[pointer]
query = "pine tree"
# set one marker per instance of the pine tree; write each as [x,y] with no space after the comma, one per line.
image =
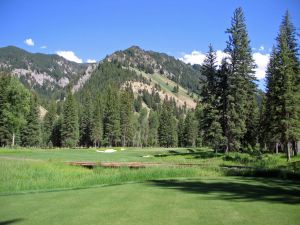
[153,128]
[181,132]
[48,124]
[240,80]
[70,127]
[57,132]
[198,116]
[126,116]
[283,89]
[166,129]
[97,125]
[86,121]
[250,138]
[111,117]
[31,133]
[144,127]
[190,130]
[210,120]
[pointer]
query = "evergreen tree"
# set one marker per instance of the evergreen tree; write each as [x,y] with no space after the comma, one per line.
[240,80]
[126,116]
[111,120]
[166,127]
[48,124]
[97,125]
[198,116]
[181,132]
[153,128]
[144,127]
[57,132]
[86,121]
[250,138]
[283,97]
[210,121]
[190,130]
[70,127]
[31,133]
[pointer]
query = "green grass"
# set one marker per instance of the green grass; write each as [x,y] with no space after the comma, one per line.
[24,175]
[226,201]
[37,187]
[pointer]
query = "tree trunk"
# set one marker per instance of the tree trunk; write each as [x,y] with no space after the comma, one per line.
[276,147]
[13,140]
[295,148]
[288,153]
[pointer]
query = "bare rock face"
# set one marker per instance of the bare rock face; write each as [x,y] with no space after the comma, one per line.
[41,72]
[85,77]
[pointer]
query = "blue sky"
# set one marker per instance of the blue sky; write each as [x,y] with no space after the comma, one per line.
[93,29]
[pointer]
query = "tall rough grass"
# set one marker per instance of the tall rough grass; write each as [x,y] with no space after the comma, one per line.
[17,176]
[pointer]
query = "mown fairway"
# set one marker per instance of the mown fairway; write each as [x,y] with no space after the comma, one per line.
[36,187]
[201,201]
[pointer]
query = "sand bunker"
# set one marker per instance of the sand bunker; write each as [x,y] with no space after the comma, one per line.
[107,151]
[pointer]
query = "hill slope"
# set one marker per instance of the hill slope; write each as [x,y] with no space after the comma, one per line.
[44,73]
[159,63]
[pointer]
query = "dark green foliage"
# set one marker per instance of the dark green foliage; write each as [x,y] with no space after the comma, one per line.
[181,132]
[143,127]
[111,117]
[126,116]
[97,125]
[239,75]
[198,117]
[190,130]
[48,124]
[250,138]
[282,108]
[167,127]
[210,120]
[138,104]
[14,107]
[86,121]
[31,132]
[56,138]
[70,127]
[153,128]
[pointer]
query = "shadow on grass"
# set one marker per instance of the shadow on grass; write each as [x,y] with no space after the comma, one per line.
[196,153]
[238,189]
[11,221]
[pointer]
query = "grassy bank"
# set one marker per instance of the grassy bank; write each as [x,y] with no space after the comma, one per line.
[25,175]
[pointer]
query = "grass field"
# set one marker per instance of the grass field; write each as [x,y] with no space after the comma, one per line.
[37,187]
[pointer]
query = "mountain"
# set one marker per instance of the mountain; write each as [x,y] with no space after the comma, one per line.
[46,74]
[49,75]
[160,63]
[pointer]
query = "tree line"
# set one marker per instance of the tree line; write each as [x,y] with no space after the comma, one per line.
[231,115]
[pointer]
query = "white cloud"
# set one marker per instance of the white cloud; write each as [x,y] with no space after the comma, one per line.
[261,48]
[197,57]
[91,60]
[29,42]
[69,55]
[260,59]
[194,58]
[43,47]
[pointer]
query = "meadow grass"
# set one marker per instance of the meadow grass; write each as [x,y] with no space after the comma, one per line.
[24,175]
